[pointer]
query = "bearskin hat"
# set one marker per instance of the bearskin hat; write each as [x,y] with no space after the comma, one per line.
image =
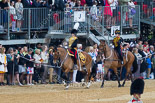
[137,86]
[117,31]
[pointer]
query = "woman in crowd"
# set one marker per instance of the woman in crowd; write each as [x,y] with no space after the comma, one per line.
[19,12]
[29,66]
[16,60]
[10,61]
[108,13]
[5,6]
[139,60]
[37,65]
[13,16]
[44,56]
[131,13]
[21,65]
[3,65]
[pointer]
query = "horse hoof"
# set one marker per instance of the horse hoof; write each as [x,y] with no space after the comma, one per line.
[122,85]
[119,85]
[66,88]
[87,87]
[101,86]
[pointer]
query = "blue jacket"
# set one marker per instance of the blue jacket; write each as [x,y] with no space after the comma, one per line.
[148,60]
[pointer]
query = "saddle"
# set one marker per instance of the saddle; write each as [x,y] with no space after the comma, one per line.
[80,55]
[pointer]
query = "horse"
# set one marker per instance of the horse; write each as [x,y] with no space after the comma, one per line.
[67,63]
[112,61]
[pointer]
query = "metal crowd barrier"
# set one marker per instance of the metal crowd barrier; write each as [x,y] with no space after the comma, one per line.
[44,18]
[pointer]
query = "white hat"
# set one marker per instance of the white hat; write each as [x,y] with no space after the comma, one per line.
[76,26]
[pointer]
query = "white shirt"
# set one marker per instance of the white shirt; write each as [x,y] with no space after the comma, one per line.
[44,57]
[12,10]
[114,4]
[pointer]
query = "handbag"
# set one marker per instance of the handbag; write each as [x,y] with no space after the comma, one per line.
[15,17]
[133,11]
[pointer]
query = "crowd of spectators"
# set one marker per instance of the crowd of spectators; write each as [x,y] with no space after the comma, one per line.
[27,66]
[111,11]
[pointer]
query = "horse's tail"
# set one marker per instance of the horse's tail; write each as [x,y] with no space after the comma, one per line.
[135,65]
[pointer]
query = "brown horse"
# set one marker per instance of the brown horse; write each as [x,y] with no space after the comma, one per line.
[67,63]
[111,61]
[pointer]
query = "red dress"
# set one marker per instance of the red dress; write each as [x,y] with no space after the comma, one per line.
[107,9]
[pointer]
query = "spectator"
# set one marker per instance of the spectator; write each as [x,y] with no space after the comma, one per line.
[21,65]
[148,59]
[83,2]
[89,2]
[13,15]
[139,60]
[95,49]
[72,3]
[19,12]
[37,65]
[60,4]
[93,11]
[16,70]
[92,54]
[29,66]
[44,56]
[0,46]
[37,3]
[140,50]
[10,61]
[51,68]
[5,6]
[3,65]
[153,64]
[51,3]
[114,10]
[100,2]
[25,51]
[151,49]
[26,3]
[108,13]
[131,13]
[46,4]
[100,13]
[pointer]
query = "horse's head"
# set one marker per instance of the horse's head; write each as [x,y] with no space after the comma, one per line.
[99,57]
[56,56]
[102,46]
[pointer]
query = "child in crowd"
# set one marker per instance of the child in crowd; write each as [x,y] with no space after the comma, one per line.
[29,66]
[13,15]
[3,65]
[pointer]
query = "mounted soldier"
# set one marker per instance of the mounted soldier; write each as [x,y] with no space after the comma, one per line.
[117,44]
[73,44]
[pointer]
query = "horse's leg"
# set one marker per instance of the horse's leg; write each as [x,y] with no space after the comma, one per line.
[118,78]
[105,73]
[88,78]
[68,75]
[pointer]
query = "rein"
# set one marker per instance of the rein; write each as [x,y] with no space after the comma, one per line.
[64,60]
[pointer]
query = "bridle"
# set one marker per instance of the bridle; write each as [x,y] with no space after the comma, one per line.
[59,59]
[104,49]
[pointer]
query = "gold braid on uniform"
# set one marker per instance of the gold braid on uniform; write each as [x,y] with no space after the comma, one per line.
[71,41]
[116,39]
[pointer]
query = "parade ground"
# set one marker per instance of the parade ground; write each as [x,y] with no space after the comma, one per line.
[76,93]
